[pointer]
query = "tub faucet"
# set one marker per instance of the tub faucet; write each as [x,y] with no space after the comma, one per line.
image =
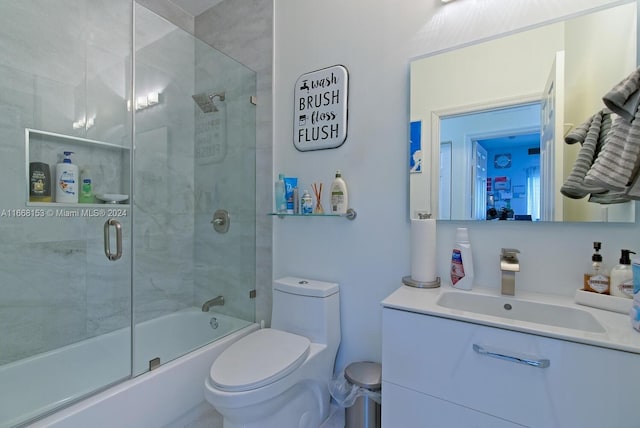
[216,301]
[509,265]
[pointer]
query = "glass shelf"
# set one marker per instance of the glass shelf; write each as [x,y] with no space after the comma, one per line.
[350,215]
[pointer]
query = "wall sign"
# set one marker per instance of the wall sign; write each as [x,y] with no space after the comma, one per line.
[320,111]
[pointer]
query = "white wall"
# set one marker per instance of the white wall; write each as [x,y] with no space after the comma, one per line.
[375,39]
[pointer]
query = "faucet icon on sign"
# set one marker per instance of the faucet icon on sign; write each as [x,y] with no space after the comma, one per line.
[304,86]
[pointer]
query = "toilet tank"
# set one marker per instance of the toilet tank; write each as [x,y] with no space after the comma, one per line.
[307,307]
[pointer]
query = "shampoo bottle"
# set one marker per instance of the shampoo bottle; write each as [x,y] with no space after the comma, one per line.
[621,278]
[39,182]
[339,195]
[596,280]
[462,261]
[281,200]
[67,180]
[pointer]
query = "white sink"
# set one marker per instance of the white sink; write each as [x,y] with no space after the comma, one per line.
[512,308]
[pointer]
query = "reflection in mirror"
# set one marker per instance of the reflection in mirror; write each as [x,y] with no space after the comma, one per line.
[491,120]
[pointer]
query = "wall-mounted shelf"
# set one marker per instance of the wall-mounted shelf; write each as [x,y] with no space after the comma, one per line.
[350,215]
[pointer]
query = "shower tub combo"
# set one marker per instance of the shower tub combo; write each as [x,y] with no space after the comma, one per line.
[101,322]
[152,399]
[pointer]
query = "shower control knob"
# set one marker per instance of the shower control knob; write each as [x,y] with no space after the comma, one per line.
[221,221]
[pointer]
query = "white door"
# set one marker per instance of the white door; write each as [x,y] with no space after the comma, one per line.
[444,206]
[551,134]
[479,202]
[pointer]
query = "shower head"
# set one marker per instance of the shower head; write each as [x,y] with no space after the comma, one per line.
[205,101]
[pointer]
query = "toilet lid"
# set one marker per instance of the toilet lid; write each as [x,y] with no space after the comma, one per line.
[259,359]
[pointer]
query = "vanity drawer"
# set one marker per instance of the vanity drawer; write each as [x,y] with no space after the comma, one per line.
[583,385]
[406,408]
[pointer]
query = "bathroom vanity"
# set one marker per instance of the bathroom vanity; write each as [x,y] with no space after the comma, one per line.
[445,363]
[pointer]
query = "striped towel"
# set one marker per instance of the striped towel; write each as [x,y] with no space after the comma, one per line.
[592,135]
[617,163]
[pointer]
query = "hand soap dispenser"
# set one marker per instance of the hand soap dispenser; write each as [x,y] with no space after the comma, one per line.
[596,280]
[622,277]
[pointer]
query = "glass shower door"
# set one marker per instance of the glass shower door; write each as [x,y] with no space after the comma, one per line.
[65,307]
[194,156]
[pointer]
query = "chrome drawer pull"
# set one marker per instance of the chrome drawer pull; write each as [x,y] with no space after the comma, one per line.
[541,363]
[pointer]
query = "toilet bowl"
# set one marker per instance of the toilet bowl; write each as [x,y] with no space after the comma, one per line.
[278,377]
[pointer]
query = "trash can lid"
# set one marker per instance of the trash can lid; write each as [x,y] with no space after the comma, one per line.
[365,374]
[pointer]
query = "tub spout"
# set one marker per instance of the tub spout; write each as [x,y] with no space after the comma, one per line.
[216,301]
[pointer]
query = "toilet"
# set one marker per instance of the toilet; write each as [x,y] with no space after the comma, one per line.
[278,377]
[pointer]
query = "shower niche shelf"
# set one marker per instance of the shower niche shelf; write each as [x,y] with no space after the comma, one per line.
[108,164]
[350,215]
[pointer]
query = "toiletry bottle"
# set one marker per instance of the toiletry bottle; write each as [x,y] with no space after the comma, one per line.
[621,277]
[462,261]
[596,280]
[290,189]
[67,180]
[86,187]
[279,190]
[339,195]
[307,203]
[39,182]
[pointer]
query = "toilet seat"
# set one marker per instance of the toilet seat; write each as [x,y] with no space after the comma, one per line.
[259,359]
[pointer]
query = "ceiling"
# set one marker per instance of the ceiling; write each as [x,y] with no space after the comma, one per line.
[195,7]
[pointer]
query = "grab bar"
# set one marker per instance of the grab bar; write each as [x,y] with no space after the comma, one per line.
[540,363]
[107,241]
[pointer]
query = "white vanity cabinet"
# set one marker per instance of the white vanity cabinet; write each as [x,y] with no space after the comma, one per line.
[433,377]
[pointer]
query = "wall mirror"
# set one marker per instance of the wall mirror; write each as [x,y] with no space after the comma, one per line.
[488,120]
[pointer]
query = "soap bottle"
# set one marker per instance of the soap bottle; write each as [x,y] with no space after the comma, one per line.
[86,187]
[67,180]
[339,195]
[596,280]
[462,261]
[281,200]
[621,277]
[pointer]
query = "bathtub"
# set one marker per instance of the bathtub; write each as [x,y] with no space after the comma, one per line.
[45,382]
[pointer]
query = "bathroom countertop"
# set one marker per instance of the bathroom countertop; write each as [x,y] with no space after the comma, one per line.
[619,334]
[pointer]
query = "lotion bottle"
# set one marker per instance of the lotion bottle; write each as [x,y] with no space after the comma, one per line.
[621,278]
[67,180]
[339,195]
[462,261]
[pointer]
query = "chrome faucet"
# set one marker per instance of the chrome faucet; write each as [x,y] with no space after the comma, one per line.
[216,301]
[509,265]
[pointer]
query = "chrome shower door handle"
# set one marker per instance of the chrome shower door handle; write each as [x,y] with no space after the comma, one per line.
[107,239]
